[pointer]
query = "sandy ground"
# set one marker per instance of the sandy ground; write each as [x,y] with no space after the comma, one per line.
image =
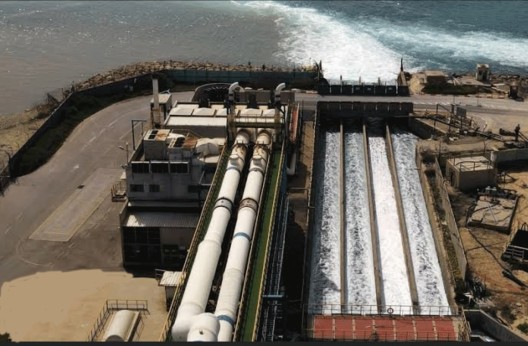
[46,306]
[484,249]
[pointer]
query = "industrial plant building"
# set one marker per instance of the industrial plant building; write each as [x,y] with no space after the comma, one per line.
[207,207]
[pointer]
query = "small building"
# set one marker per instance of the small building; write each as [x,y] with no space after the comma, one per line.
[170,281]
[483,73]
[467,173]
[434,77]
[165,105]
[167,180]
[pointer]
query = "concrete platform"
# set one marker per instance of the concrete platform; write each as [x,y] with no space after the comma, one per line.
[62,224]
[493,213]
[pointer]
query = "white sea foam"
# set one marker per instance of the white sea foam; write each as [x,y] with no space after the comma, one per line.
[422,39]
[371,47]
[308,35]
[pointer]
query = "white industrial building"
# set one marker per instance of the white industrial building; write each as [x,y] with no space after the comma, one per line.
[167,181]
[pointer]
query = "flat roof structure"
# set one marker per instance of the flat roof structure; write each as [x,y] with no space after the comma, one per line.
[470,172]
[493,213]
[170,279]
[471,163]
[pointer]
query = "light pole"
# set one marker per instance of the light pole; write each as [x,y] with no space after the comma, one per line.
[134,123]
[125,148]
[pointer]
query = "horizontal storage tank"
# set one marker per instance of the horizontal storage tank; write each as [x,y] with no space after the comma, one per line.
[122,326]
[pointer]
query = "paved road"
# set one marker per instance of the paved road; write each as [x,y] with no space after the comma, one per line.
[27,204]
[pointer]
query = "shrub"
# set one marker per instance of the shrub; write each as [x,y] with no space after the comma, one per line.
[523,327]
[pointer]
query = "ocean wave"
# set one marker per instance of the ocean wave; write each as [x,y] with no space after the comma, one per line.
[354,45]
[308,35]
[422,40]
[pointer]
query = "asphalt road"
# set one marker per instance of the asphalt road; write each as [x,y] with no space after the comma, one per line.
[93,145]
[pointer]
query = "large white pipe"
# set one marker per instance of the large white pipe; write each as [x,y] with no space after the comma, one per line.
[231,92]
[204,328]
[278,90]
[198,287]
[233,278]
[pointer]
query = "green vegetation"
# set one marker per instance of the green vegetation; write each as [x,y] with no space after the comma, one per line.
[451,89]
[254,296]
[523,327]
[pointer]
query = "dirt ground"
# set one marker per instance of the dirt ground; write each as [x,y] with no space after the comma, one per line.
[484,249]
[60,317]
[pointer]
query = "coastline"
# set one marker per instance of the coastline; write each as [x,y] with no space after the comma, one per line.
[17,128]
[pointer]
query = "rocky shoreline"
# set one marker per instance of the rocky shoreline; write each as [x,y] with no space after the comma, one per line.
[142,68]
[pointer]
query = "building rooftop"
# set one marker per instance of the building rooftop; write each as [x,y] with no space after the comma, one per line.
[471,163]
[196,121]
[170,279]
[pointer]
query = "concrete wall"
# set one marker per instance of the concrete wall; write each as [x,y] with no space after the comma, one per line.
[264,79]
[422,129]
[363,90]
[437,232]
[144,82]
[478,319]
[509,155]
[470,180]
[450,220]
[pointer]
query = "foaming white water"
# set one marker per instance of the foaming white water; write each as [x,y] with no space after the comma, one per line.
[345,49]
[396,291]
[423,40]
[360,279]
[429,283]
[325,283]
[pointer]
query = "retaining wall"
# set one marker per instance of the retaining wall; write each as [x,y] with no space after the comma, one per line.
[450,220]
[437,232]
[144,82]
[509,155]
[423,130]
[478,319]
[263,79]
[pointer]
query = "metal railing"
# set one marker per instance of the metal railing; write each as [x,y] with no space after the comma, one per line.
[383,335]
[201,228]
[253,282]
[109,307]
[396,310]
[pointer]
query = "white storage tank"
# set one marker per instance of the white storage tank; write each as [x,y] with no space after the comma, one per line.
[122,326]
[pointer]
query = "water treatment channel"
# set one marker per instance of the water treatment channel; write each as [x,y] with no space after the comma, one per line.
[373,248]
